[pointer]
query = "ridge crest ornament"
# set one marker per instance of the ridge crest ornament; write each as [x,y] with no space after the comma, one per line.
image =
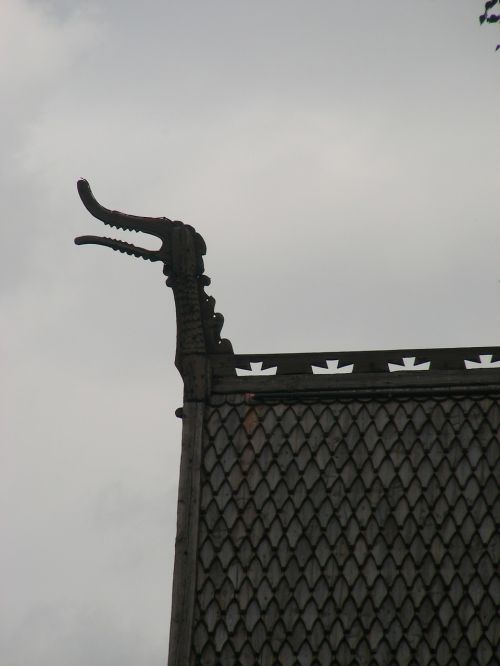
[182,250]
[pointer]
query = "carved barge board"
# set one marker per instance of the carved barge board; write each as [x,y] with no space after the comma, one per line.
[347,517]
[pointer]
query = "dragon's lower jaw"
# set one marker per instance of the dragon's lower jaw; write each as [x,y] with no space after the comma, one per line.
[121,246]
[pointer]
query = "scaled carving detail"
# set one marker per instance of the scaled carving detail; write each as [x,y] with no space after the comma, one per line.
[198,325]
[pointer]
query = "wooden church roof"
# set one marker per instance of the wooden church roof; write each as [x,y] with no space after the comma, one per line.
[336,508]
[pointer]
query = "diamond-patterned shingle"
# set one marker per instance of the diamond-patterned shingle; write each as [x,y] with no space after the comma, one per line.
[349,531]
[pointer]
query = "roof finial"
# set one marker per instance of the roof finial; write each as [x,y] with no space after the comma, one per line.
[181,251]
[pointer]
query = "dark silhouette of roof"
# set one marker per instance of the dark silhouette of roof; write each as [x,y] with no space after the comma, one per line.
[334,508]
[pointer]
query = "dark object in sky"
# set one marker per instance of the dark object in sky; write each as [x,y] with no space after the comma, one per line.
[334,508]
[486,17]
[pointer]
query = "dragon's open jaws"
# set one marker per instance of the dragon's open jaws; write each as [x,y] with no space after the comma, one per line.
[158,227]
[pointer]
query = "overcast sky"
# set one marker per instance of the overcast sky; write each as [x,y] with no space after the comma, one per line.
[341,161]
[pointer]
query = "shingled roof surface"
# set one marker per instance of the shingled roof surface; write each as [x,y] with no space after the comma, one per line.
[348,531]
[343,517]
[334,509]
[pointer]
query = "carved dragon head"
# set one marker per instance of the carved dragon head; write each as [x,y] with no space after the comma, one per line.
[177,260]
[181,251]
